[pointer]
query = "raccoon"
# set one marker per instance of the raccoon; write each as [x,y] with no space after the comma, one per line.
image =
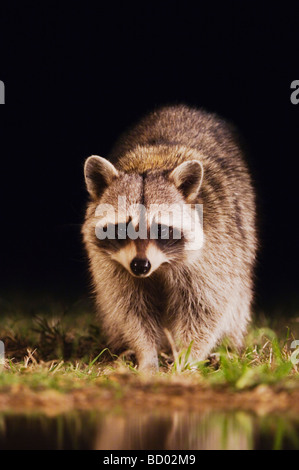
[199,288]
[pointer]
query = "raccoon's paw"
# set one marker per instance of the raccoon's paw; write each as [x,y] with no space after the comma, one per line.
[148,365]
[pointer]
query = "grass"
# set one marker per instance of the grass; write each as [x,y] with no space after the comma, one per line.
[60,377]
[62,349]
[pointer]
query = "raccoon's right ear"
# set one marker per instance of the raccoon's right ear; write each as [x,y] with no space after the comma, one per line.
[98,173]
[187,177]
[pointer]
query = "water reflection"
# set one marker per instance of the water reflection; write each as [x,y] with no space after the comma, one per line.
[149,431]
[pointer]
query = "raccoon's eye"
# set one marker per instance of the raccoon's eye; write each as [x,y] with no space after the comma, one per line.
[164,232]
[168,235]
[115,232]
[121,232]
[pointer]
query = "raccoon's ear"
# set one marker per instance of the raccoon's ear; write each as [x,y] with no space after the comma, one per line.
[187,177]
[98,173]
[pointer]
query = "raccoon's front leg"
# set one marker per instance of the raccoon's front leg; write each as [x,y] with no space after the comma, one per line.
[191,320]
[139,333]
[129,328]
[203,340]
[147,359]
[131,321]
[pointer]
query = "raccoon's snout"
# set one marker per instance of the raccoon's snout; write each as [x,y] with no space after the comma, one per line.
[140,266]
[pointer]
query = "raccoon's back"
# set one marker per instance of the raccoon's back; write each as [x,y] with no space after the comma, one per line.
[178,126]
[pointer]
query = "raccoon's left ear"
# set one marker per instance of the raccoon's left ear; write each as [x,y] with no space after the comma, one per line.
[98,173]
[187,177]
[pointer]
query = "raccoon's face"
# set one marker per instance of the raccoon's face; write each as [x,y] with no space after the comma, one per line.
[143,221]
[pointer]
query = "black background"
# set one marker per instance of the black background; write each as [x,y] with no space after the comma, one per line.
[77,75]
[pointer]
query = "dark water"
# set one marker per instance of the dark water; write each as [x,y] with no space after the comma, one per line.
[149,431]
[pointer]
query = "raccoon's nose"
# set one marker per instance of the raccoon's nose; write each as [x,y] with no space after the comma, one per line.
[140,266]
